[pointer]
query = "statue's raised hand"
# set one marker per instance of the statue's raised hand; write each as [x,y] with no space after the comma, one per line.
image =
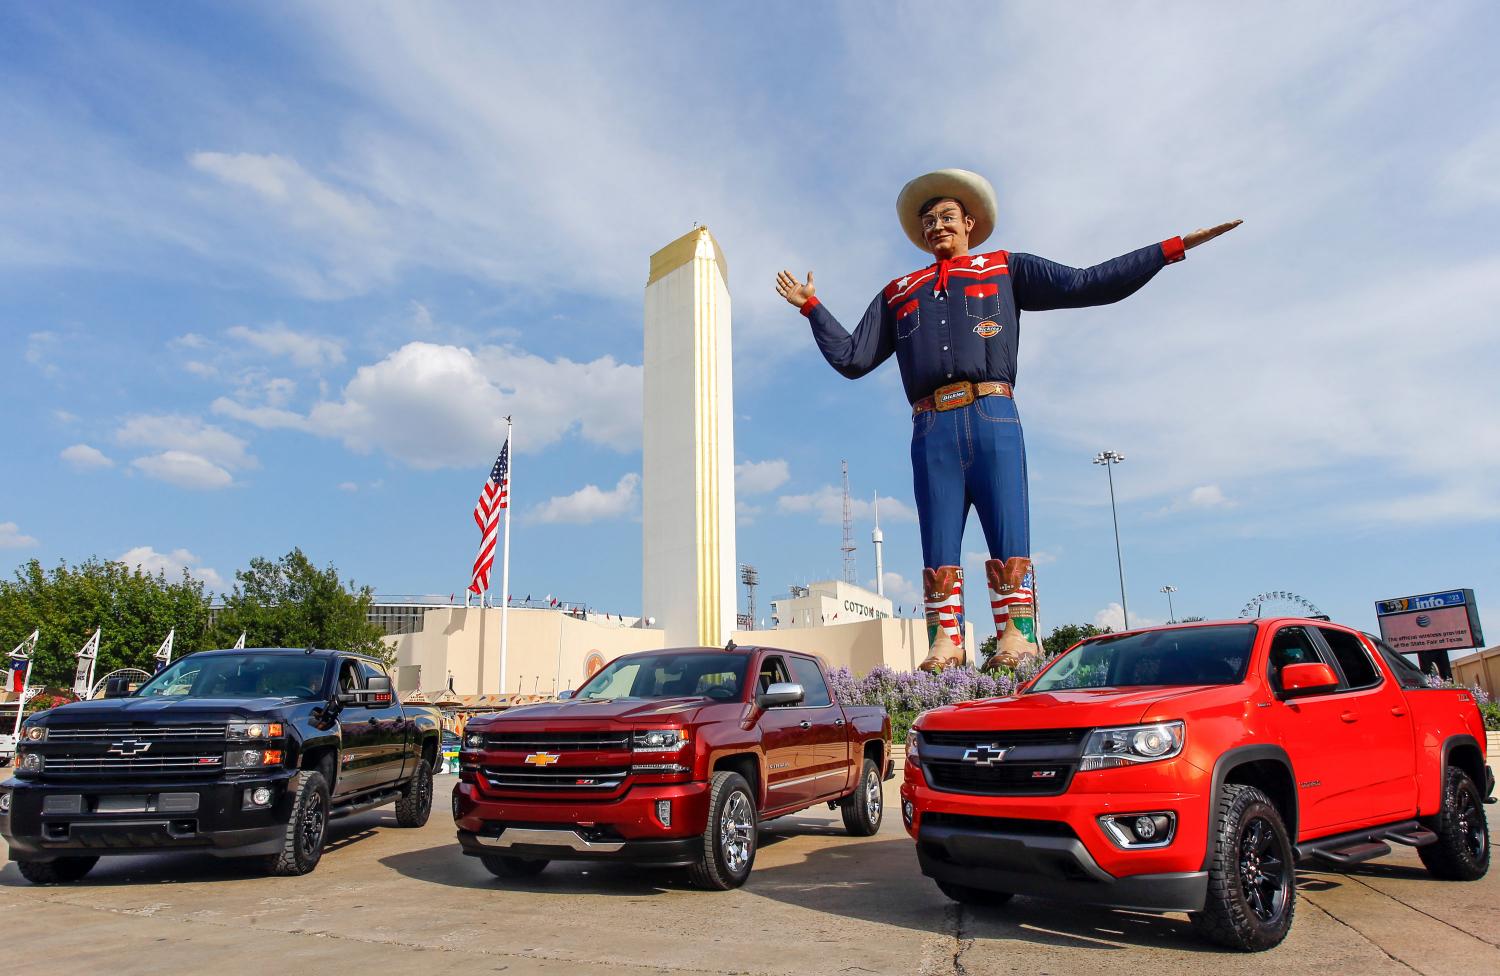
[794,291]
[1205,234]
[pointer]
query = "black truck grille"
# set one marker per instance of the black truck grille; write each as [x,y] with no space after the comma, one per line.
[125,750]
[1006,762]
[588,779]
[559,741]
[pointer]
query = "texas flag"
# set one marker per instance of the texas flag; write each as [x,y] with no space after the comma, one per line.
[18,667]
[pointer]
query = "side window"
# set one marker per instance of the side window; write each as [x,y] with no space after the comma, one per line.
[349,676]
[772,671]
[807,674]
[1359,670]
[1291,645]
[1408,675]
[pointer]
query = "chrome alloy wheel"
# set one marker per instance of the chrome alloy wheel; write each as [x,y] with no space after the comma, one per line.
[736,832]
[873,797]
[1263,871]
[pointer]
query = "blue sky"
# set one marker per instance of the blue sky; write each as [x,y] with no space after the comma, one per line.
[271,275]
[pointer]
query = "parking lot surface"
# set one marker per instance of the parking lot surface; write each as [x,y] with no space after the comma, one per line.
[817,903]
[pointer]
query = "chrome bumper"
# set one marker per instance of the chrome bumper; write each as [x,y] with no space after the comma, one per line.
[534,837]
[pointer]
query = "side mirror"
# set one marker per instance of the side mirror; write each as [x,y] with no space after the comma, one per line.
[781,693]
[376,692]
[1307,679]
[566,694]
[117,687]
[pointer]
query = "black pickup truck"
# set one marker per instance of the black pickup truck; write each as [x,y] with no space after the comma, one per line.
[238,753]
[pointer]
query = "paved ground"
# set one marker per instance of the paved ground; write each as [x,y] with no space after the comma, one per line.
[818,902]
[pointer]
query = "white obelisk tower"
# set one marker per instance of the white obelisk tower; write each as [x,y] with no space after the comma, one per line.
[687,477]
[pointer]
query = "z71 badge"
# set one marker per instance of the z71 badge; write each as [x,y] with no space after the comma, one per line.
[987,329]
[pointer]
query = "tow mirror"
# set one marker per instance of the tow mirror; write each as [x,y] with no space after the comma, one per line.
[780,693]
[1307,679]
[377,691]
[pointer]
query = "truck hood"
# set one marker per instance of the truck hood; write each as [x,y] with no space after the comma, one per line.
[1077,708]
[165,710]
[673,711]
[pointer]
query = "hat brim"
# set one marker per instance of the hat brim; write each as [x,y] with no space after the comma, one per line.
[968,188]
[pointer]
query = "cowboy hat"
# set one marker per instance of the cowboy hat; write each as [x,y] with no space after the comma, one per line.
[969,189]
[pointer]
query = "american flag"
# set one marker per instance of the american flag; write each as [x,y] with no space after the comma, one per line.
[492,498]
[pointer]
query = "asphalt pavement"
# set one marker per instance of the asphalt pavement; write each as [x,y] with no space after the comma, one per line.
[387,900]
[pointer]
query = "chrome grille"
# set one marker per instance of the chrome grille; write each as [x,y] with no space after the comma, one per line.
[559,741]
[157,733]
[197,763]
[585,778]
[128,750]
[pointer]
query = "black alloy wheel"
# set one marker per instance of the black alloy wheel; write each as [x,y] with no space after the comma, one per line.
[1264,871]
[1462,850]
[1252,893]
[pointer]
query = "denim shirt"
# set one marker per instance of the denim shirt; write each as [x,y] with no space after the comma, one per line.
[960,319]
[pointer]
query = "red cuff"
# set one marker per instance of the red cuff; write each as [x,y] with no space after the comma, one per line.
[1173,250]
[812,303]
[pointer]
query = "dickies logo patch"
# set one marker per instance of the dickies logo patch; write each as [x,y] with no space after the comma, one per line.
[987,329]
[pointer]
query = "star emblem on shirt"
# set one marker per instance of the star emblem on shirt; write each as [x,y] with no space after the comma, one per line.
[979,262]
[903,282]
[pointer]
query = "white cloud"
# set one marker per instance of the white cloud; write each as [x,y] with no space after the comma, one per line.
[827,503]
[1113,617]
[1208,496]
[85,458]
[184,469]
[39,346]
[186,435]
[744,512]
[299,196]
[901,591]
[348,486]
[307,351]
[202,370]
[188,340]
[759,477]
[266,418]
[172,564]
[590,503]
[11,537]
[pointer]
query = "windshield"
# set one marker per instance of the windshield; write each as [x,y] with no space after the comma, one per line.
[226,675]
[1179,656]
[719,675]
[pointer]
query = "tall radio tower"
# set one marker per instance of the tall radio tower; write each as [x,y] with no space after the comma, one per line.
[848,546]
[878,538]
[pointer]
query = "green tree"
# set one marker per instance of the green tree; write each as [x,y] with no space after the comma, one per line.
[1067,635]
[134,610]
[292,603]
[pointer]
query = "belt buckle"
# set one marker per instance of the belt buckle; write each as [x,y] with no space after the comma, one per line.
[953,396]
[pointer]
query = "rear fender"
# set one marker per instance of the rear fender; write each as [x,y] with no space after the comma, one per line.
[1462,751]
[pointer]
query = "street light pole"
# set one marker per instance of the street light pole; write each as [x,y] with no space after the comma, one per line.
[1109,459]
[1169,589]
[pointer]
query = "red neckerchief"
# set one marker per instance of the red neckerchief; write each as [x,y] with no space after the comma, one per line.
[943,265]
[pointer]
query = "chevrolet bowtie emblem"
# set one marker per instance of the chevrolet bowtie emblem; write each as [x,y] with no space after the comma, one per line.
[130,747]
[541,759]
[985,755]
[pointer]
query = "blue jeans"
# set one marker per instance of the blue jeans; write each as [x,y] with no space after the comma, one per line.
[974,455]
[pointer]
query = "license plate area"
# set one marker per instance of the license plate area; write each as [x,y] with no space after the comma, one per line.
[122,803]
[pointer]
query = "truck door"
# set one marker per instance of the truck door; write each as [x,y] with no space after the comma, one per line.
[781,738]
[1385,759]
[1318,736]
[392,734]
[358,751]
[825,744]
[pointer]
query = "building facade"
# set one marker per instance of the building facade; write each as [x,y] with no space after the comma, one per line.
[828,603]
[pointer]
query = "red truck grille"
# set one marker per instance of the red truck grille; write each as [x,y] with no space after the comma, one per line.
[1008,762]
[559,741]
[585,779]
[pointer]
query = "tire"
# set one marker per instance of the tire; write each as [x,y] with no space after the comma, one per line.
[729,840]
[503,866]
[306,829]
[1252,889]
[415,805]
[1462,851]
[976,897]
[64,870]
[864,807]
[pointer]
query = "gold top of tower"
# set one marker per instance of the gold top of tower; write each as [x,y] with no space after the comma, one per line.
[697,242]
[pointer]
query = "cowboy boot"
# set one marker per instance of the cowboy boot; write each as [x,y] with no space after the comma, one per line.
[942,590]
[1012,594]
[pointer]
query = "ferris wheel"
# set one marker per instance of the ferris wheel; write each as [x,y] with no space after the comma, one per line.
[1280,603]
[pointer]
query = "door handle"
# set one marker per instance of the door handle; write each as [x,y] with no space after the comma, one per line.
[1397,711]
[805,724]
[838,721]
[1349,717]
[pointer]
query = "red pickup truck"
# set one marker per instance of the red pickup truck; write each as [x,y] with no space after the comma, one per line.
[669,757]
[1189,768]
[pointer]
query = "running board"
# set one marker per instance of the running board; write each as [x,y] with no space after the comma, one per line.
[366,803]
[1354,853]
[1359,846]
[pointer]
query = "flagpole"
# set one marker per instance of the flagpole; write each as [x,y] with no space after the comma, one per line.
[505,557]
[25,682]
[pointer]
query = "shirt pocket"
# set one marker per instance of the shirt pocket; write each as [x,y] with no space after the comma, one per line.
[908,317]
[982,306]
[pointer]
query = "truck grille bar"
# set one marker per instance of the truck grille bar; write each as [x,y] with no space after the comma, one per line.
[1004,762]
[581,778]
[158,733]
[136,764]
[559,741]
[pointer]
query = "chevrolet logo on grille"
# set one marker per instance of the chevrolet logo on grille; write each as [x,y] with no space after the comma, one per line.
[985,755]
[130,747]
[541,759]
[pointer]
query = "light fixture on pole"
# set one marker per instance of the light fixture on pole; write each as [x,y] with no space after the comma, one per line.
[1169,589]
[1109,459]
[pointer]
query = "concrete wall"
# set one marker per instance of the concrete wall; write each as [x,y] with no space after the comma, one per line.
[1482,668]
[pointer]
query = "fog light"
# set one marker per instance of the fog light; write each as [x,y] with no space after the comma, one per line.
[664,812]
[1140,829]
[32,762]
[1144,828]
[908,812]
[261,795]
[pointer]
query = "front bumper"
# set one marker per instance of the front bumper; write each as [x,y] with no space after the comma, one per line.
[52,819]
[626,829]
[1055,847]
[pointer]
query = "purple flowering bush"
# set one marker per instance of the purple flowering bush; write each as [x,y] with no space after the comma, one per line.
[904,694]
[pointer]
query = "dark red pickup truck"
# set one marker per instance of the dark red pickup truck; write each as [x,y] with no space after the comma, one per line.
[669,758]
[1189,768]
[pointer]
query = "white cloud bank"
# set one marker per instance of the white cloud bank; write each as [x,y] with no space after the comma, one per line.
[11,537]
[172,564]
[827,503]
[304,350]
[591,503]
[193,454]
[760,477]
[85,458]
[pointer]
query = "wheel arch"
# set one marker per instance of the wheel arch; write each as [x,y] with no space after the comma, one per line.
[747,764]
[1266,767]
[1463,751]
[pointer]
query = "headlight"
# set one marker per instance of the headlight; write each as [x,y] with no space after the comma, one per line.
[660,740]
[31,762]
[474,740]
[34,733]
[246,731]
[913,758]
[1109,748]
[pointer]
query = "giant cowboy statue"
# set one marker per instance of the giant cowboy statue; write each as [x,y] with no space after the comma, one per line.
[953,327]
